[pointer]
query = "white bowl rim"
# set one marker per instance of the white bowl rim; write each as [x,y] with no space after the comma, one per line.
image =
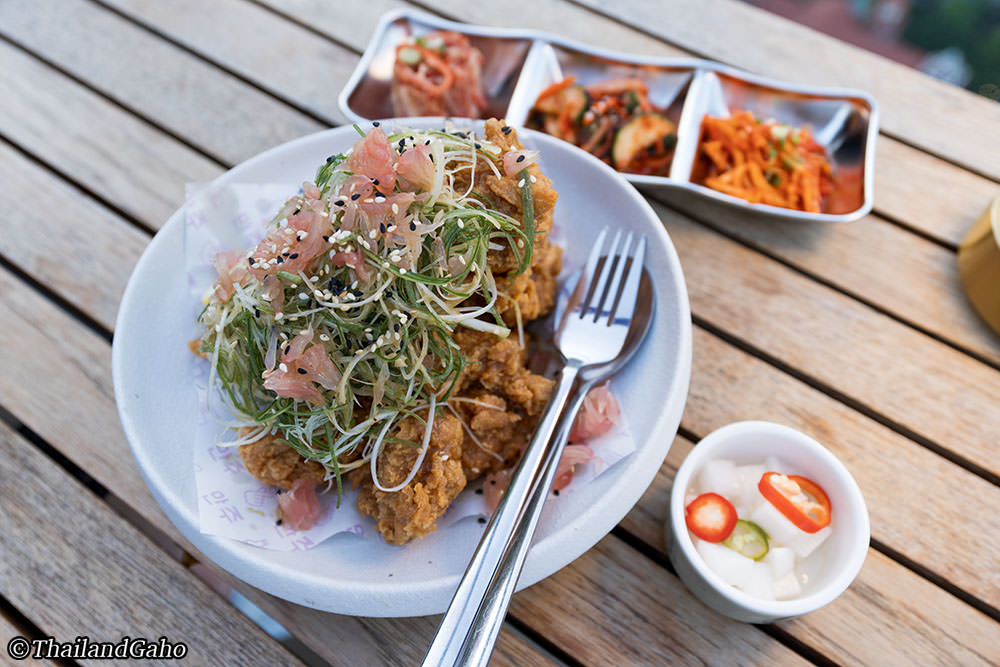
[774,608]
[546,557]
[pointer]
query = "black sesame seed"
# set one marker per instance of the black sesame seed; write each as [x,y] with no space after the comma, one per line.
[402,142]
[375,124]
[339,202]
[556,491]
[278,522]
[331,159]
[375,181]
[326,238]
[293,255]
[493,481]
[505,129]
[356,196]
[479,492]
[284,254]
[297,211]
[395,327]
[288,348]
[431,157]
[250,259]
[301,371]
[281,260]
[413,226]
[481,520]
[256,312]
[478,146]
[279,492]
[358,293]
[427,143]
[520,158]
[381,227]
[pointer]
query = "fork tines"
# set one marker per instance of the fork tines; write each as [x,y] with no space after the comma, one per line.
[607,297]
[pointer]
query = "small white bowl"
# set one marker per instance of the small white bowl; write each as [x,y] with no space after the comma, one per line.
[841,555]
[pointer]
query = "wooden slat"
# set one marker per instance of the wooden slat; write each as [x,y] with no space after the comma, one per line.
[7,632]
[88,261]
[912,278]
[916,623]
[256,46]
[613,607]
[134,166]
[938,117]
[75,568]
[44,392]
[345,25]
[937,392]
[927,193]
[213,110]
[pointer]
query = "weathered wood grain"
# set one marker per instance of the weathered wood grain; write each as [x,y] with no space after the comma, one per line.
[347,26]
[595,611]
[75,568]
[937,392]
[220,114]
[908,276]
[256,46]
[67,241]
[938,117]
[916,623]
[131,164]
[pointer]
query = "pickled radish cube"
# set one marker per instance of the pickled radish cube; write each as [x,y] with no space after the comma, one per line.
[805,543]
[781,560]
[749,477]
[732,568]
[778,528]
[719,476]
[761,583]
[774,464]
[787,587]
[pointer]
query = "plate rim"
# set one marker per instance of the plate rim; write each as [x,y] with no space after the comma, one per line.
[555,551]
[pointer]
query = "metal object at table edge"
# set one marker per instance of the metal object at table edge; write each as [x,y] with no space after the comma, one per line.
[979,264]
[470,627]
[522,100]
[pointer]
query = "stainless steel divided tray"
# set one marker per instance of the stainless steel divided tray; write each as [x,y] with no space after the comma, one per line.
[519,64]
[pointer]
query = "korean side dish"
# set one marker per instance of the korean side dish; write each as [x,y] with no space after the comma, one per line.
[376,334]
[613,120]
[764,162]
[439,74]
[755,527]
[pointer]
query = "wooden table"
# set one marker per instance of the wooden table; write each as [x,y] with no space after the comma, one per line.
[858,334]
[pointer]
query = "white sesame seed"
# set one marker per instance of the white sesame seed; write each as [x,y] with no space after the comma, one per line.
[395,209]
[385,265]
[317,294]
[372,234]
[461,225]
[402,271]
[534,180]
[283,367]
[354,285]
[461,259]
[520,183]
[520,243]
[303,296]
[367,200]
[324,337]
[279,316]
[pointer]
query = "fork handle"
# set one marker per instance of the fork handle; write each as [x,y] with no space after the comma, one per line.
[470,626]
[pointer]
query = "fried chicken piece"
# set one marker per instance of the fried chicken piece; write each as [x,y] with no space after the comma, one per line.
[413,511]
[277,464]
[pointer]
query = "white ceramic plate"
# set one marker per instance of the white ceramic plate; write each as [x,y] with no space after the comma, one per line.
[347,574]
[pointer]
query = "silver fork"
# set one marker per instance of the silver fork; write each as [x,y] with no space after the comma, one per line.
[590,336]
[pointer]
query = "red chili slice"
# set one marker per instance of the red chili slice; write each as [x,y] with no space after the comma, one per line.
[710,517]
[801,500]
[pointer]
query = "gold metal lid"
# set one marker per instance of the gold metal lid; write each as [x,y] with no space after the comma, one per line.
[979,264]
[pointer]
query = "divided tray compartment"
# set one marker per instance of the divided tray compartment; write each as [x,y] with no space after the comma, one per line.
[520,64]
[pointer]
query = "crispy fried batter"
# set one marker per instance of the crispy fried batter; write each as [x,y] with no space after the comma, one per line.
[414,510]
[275,463]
